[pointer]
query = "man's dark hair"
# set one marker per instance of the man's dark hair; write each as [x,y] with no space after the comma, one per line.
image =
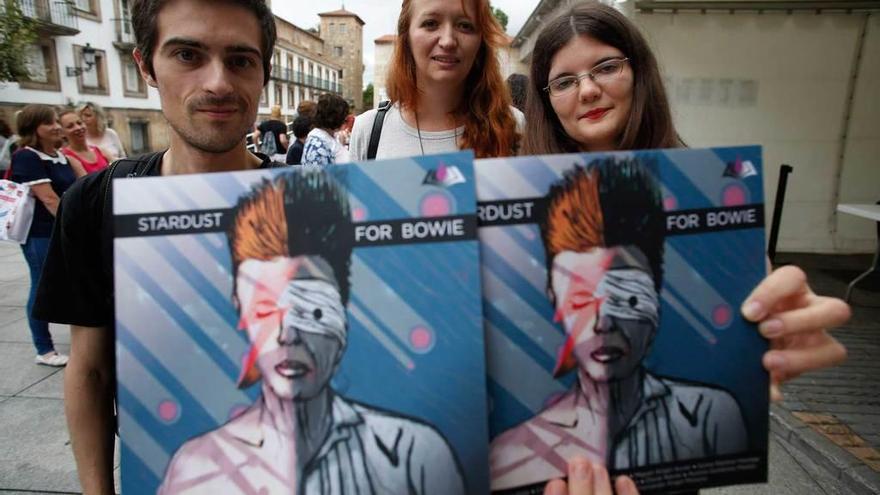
[331,113]
[299,213]
[301,126]
[517,84]
[610,202]
[5,130]
[145,15]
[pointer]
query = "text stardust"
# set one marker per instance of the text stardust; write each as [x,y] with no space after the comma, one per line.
[183,221]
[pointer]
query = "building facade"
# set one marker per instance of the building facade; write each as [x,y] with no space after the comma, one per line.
[59,76]
[302,69]
[382,52]
[343,35]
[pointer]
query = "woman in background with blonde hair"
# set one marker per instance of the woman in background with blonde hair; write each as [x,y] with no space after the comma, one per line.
[97,132]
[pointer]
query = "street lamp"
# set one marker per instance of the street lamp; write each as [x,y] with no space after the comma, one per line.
[88,57]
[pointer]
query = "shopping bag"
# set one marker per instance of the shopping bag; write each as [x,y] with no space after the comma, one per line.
[16,211]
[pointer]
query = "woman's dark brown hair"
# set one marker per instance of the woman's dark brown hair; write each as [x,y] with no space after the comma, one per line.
[28,120]
[331,112]
[650,122]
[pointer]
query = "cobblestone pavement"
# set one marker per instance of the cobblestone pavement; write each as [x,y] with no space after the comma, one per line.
[35,454]
[842,404]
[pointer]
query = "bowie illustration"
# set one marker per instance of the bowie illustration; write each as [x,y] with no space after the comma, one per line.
[291,245]
[603,237]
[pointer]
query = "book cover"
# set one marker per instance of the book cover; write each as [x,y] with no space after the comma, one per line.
[301,330]
[612,287]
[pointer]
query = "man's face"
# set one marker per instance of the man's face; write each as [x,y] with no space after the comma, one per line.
[295,320]
[208,70]
[605,299]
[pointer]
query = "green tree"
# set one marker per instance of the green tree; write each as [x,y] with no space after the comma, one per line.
[500,15]
[17,31]
[368,96]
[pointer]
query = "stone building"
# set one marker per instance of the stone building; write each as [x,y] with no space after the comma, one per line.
[304,67]
[342,32]
[59,76]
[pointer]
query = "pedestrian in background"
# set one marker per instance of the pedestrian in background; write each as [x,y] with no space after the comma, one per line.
[38,159]
[271,136]
[8,145]
[302,125]
[516,84]
[89,158]
[321,146]
[445,84]
[97,132]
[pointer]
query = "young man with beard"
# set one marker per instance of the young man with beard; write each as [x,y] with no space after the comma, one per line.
[209,60]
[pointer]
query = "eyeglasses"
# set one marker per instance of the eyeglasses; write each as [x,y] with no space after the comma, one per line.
[601,74]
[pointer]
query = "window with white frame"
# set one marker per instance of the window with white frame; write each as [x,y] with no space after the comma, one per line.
[94,80]
[133,83]
[42,66]
[140,136]
[90,9]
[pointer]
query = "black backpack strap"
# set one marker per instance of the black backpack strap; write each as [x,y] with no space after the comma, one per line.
[377,129]
[122,168]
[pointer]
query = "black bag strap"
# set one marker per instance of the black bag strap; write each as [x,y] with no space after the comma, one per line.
[377,129]
[122,168]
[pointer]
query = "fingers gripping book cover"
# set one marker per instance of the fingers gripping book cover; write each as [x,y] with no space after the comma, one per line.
[612,287]
[301,331]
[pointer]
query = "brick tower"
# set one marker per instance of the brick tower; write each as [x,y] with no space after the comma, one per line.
[342,32]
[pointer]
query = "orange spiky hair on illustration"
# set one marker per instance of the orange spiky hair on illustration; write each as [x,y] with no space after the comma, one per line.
[301,213]
[610,202]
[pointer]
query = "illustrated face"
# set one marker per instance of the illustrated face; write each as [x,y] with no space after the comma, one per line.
[295,321]
[606,301]
[49,133]
[444,40]
[209,73]
[73,127]
[594,115]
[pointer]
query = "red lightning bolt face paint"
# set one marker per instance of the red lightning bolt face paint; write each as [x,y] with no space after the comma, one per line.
[292,311]
[576,277]
[607,303]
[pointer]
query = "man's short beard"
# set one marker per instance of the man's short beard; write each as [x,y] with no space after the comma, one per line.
[204,142]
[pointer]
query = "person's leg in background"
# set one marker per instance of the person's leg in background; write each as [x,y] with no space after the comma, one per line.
[35,250]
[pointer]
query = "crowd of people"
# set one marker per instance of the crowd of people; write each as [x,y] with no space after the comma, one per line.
[594,85]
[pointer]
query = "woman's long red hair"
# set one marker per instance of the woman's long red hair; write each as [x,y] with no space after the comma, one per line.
[489,126]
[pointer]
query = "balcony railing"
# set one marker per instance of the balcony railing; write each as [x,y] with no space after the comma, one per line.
[55,17]
[124,33]
[297,77]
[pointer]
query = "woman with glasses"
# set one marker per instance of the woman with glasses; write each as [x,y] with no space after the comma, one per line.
[595,86]
[445,84]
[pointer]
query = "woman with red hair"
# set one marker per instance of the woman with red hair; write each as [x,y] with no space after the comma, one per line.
[445,85]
